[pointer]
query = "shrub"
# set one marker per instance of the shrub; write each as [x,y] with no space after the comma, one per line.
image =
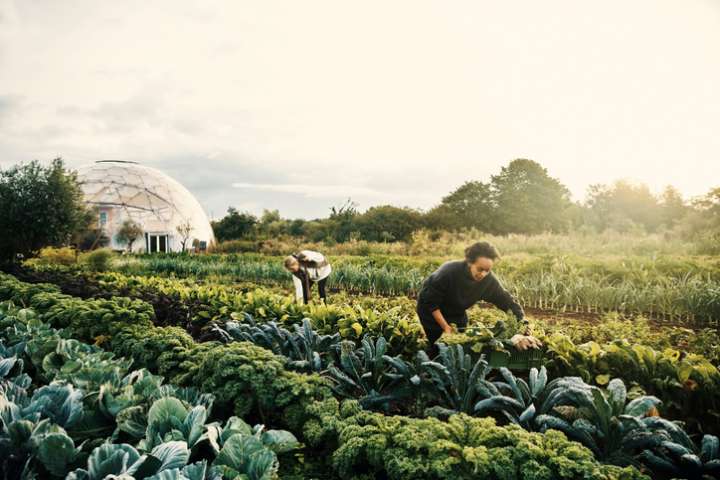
[54,256]
[98,260]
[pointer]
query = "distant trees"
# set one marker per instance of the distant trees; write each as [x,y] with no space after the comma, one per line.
[39,207]
[528,200]
[386,223]
[341,224]
[521,198]
[469,206]
[234,225]
[625,206]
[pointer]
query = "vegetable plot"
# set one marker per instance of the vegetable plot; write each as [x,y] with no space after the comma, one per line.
[83,416]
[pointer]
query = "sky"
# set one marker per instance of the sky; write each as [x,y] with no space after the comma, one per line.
[298,106]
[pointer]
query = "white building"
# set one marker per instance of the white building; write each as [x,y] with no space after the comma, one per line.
[123,190]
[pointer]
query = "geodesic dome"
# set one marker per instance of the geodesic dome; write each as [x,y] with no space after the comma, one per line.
[122,190]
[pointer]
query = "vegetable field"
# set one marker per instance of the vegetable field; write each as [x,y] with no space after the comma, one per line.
[680,290]
[250,384]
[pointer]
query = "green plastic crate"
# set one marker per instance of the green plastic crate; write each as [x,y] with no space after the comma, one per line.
[515,359]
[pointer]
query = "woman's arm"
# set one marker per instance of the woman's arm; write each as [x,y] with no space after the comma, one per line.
[299,292]
[440,320]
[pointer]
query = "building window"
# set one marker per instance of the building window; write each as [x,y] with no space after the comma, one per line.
[103,219]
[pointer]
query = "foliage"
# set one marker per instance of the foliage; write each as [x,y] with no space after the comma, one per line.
[527,199]
[234,225]
[128,233]
[254,380]
[54,256]
[99,260]
[386,223]
[39,207]
[623,205]
[469,206]
[85,415]
[371,445]
[679,289]
[304,348]
[688,384]
[363,374]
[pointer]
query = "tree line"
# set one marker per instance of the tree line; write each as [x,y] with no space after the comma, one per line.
[43,206]
[522,198]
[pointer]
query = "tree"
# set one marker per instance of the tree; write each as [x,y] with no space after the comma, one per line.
[469,206]
[342,221]
[39,206]
[234,225]
[673,207]
[184,230]
[297,227]
[528,200]
[624,205]
[128,233]
[387,223]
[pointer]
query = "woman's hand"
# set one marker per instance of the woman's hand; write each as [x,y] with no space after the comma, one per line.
[523,342]
[447,330]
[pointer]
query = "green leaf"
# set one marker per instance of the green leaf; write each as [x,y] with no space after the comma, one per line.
[164,409]
[56,452]
[109,459]
[710,449]
[233,426]
[280,441]
[684,371]
[7,364]
[172,455]
[247,455]
[132,421]
[61,403]
[617,394]
[640,406]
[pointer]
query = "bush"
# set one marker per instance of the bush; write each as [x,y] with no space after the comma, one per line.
[98,260]
[54,256]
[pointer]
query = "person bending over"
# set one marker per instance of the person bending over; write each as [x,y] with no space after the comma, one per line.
[307,268]
[458,285]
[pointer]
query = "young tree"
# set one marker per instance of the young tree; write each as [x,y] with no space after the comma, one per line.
[39,206]
[184,230]
[128,233]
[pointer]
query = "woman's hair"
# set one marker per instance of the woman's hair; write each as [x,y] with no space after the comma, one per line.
[481,249]
[290,260]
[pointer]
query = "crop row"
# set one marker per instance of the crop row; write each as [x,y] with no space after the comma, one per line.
[688,384]
[252,382]
[678,290]
[533,405]
[73,410]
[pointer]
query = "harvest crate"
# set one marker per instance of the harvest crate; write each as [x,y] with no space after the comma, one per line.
[516,359]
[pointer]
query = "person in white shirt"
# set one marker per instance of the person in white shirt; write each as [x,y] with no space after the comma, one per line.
[308,267]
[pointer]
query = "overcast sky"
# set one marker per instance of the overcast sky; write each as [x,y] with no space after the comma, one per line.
[297,105]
